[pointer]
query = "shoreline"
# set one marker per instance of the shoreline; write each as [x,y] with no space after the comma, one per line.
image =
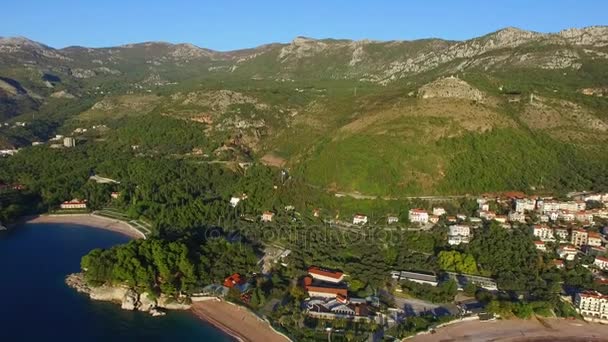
[517,330]
[236,321]
[88,220]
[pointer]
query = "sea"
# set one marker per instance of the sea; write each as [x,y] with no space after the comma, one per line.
[36,305]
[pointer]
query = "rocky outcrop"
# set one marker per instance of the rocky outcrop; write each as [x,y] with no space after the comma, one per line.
[128,298]
[450,87]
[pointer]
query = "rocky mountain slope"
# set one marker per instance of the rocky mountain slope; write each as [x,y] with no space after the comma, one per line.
[341,114]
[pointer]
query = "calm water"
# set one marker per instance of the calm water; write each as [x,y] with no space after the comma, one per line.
[36,305]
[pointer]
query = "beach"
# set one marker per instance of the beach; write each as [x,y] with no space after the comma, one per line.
[236,321]
[90,220]
[516,330]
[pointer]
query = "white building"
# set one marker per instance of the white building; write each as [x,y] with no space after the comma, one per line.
[567,252]
[69,142]
[360,219]
[594,239]
[591,304]
[234,201]
[517,216]
[561,233]
[524,204]
[74,204]
[392,219]
[543,232]
[601,262]
[418,216]
[439,211]
[267,216]
[540,246]
[458,234]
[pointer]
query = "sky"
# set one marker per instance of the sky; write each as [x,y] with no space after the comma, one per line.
[229,24]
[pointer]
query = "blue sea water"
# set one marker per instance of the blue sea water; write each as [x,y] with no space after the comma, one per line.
[36,305]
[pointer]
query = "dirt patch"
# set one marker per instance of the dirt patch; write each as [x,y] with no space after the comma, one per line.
[270,159]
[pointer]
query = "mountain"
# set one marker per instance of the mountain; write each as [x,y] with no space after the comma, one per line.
[511,109]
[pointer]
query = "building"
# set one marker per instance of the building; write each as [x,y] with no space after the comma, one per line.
[517,216]
[567,252]
[439,211]
[420,278]
[360,219]
[601,262]
[69,142]
[461,217]
[418,216]
[524,204]
[566,215]
[579,237]
[458,234]
[434,219]
[500,218]
[561,233]
[325,275]
[115,195]
[234,201]
[74,204]
[584,216]
[543,232]
[392,219]
[316,212]
[591,304]
[487,215]
[594,239]
[463,279]
[267,216]
[558,263]
[540,246]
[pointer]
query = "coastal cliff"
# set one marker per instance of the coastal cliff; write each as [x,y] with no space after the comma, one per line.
[128,298]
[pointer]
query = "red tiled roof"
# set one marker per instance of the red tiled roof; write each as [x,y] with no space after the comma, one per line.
[601,258]
[234,280]
[324,272]
[329,290]
[418,210]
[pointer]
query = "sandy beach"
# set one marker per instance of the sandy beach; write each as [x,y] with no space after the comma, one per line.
[515,330]
[91,220]
[236,321]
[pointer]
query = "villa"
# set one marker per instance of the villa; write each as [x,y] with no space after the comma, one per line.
[418,216]
[360,219]
[74,204]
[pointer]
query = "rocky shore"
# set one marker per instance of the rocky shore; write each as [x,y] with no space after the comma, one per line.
[127,297]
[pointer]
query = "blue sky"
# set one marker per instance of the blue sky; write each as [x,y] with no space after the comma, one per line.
[231,24]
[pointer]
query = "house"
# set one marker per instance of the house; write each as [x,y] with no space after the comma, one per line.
[452,219]
[540,246]
[458,234]
[434,219]
[601,262]
[325,275]
[543,232]
[267,216]
[420,278]
[591,304]
[594,250]
[234,280]
[315,290]
[439,211]
[392,219]
[74,204]
[558,263]
[516,216]
[561,233]
[544,218]
[461,217]
[594,239]
[418,216]
[567,252]
[115,195]
[360,219]
[579,237]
